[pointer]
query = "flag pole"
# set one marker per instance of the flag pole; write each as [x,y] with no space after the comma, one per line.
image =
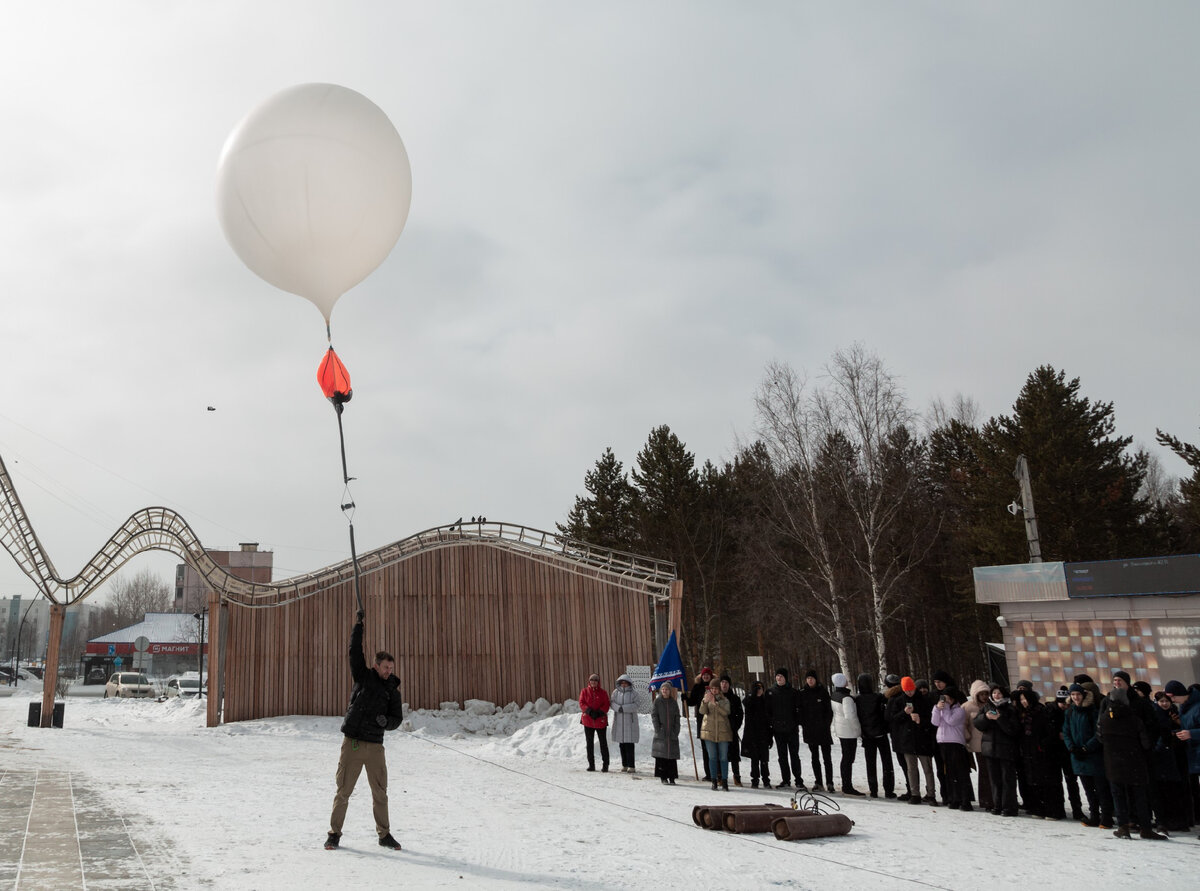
[692,740]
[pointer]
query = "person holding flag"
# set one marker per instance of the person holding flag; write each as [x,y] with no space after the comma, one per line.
[669,673]
[665,748]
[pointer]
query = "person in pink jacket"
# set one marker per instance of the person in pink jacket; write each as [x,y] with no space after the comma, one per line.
[951,723]
[594,705]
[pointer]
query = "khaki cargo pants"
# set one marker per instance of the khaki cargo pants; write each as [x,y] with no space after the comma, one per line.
[356,755]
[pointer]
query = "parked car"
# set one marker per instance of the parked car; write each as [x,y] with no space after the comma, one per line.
[127,685]
[184,685]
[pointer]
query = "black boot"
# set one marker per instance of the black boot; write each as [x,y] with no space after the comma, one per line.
[1149,833]
[1122,831]
[714,785]
[724,785]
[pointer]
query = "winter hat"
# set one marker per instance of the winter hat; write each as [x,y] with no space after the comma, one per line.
[1028,685]
[907,684]
[1123,675]
[840,680]
[1077,688]
[1062,693]
[1083,679]
[782,671]
[1175,688]
[811,673]
[1143,688]
[944,677]
[892,680]
[727,679]
[705,670]
[922,684]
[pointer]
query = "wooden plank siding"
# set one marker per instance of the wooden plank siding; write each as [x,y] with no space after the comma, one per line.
[472,621]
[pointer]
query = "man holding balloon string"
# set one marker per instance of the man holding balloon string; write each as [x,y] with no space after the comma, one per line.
[313,190]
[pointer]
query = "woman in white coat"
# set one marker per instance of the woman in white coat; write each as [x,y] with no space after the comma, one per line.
[847,728]
[625,721]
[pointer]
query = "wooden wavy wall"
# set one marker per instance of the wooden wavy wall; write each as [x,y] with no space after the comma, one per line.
[471,621]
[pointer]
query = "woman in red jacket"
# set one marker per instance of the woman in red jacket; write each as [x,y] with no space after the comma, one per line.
[594,704]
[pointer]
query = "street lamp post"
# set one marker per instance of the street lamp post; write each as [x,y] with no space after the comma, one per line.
[199,617]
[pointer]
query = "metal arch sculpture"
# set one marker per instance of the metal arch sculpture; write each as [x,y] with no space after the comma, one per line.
[160,528]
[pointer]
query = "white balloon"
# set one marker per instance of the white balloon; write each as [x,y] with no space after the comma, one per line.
[313,189]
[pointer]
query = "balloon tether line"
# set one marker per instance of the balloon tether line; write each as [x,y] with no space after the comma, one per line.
[348,505]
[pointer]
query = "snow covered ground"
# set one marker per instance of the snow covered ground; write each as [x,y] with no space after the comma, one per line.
[245,806]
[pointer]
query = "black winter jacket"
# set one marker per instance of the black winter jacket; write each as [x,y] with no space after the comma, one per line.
[870,709]
[375,704]
[1125,740]
[909,737]
[756,734]
[816,714]
[783,709]
[1000,735]
[736,712]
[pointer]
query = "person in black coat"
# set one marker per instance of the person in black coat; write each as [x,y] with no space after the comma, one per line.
[1168,768]
[1037,757]
[875,737]
[783,711]
[909,717]
[1126,741]
[997,723]
[736,713]
[816,718]
[756,735]
[375,707]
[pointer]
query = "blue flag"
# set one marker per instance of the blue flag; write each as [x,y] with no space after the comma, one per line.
[669,669]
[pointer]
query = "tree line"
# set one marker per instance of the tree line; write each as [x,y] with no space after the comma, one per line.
[842,534]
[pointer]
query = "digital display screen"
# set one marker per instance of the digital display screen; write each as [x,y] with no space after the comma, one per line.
[1129,578]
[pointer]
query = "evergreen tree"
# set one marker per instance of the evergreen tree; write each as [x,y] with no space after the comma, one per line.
[1085,484]
[605,517]
[1187,509]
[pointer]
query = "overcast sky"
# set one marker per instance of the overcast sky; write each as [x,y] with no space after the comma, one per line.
[621,212]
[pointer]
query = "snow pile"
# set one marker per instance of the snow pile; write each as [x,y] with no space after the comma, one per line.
[478,717]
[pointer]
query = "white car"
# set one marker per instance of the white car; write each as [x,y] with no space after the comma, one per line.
[186,686]
[129,685]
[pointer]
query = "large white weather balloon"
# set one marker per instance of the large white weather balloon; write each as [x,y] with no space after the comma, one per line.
[313,189]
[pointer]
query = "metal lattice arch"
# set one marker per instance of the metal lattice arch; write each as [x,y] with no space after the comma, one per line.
[496,611]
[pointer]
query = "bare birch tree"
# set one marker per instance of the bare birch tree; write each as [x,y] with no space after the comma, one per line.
[863,403]
[800,537]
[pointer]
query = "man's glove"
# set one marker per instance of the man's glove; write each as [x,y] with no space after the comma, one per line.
[360,615]
[381,720]
[595,714]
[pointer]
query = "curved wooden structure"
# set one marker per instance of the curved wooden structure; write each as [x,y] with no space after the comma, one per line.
[466,618]
[491,611]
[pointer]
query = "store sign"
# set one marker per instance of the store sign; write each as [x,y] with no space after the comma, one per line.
[173,649]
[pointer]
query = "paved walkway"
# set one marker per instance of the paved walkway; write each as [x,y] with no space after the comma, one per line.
[60,836]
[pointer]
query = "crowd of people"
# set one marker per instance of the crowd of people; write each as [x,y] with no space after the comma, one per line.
[1126,757]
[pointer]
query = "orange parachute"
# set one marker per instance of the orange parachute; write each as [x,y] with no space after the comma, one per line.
[334,379]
